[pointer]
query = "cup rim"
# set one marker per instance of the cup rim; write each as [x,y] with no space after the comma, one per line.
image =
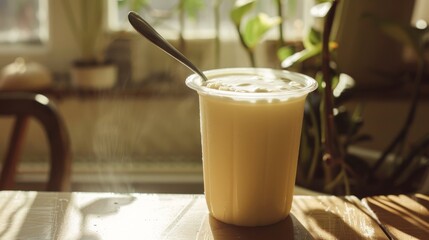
[194,82]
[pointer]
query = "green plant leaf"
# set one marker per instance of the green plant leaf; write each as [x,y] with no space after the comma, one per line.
[256,28]
[299,57]
[241,8]
[344,83]
[285,52]
[321,1]
[306,54]
[312,39]
[335,81]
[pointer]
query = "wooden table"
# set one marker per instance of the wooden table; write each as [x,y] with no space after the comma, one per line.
[52,215]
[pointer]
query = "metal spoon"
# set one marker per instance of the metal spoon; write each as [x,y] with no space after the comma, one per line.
[154,37]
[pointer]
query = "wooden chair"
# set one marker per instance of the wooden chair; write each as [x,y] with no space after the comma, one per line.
[23,106]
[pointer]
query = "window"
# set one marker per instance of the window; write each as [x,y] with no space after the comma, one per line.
[199,31]
[23,22]
[165,15]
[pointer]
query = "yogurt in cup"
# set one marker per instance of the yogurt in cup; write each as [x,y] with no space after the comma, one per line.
[251,121]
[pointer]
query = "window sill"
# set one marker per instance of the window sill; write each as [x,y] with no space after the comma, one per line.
[167,90]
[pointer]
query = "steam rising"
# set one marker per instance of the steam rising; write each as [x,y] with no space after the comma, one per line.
[132,133]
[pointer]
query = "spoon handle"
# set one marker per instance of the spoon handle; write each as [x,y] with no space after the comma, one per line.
[153,36]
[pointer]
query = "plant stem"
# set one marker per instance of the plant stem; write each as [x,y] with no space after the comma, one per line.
[408,162]
[251,57]
[280,14]
[316,150]
[328,96]
[330,136]
[332,153]
[248,50]
[332,184]
[346,181]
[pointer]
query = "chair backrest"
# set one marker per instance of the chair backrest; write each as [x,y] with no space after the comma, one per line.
[23,106]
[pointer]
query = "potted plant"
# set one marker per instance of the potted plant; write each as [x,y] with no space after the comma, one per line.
[91,70]
[326,164]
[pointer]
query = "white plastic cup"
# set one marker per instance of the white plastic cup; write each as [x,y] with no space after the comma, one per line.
[250,145]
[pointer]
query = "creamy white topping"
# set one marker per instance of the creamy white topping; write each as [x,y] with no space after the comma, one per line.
[252,83]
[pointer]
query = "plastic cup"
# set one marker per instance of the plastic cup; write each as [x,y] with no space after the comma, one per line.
[250,141]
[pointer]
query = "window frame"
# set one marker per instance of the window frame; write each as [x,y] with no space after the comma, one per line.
[19,48]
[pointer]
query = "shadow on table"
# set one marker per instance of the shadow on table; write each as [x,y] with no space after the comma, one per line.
[289,228]
[404,216]
[100,208]
[333,226]
[46,214]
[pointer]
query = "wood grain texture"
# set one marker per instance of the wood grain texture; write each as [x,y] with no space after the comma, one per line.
[404,216]
[62,215]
